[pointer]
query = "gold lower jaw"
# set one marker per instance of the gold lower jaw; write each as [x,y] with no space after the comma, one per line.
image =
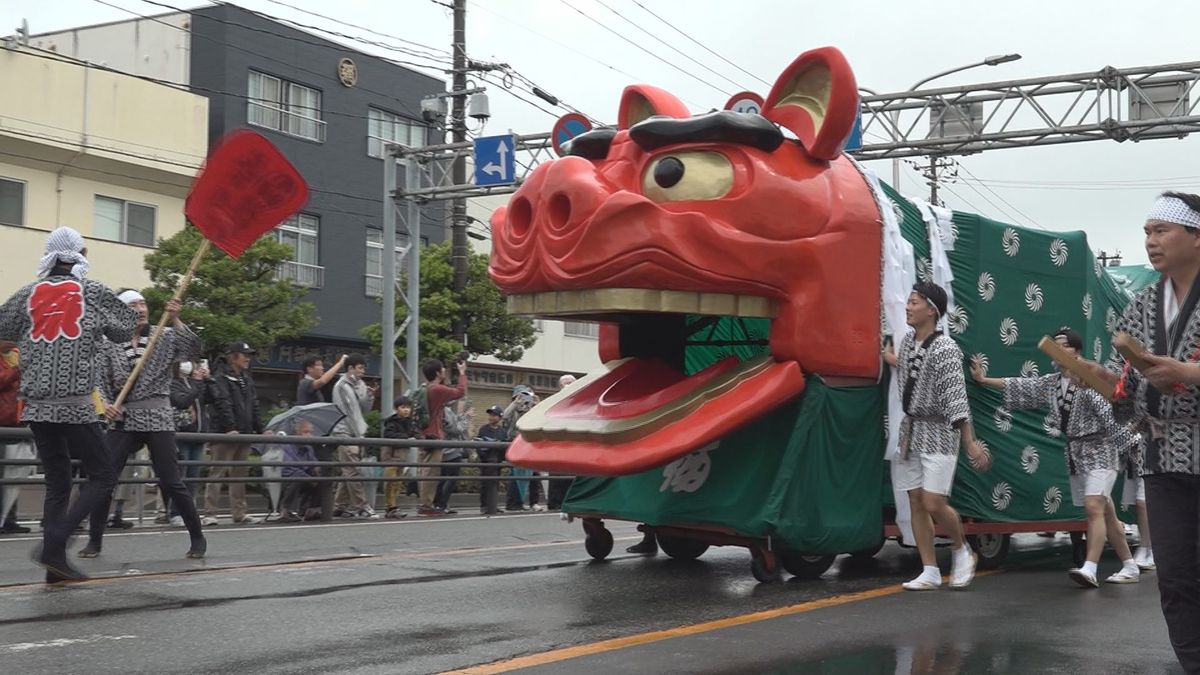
[611,300]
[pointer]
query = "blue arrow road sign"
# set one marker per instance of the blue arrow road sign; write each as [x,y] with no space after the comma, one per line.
[494,160]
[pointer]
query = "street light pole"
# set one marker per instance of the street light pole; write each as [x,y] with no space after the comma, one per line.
[989,61]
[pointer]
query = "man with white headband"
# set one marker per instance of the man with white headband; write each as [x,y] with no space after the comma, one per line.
[147,417]
[61,321]
[937,418]
[1165,396]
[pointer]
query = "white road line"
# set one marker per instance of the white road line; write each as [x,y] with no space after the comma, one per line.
[18,647]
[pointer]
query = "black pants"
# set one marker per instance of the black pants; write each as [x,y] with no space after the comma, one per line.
[558,492]
[122,444]
[57,444]
[489,489]
[1173,504]
[447,487]
[299,497]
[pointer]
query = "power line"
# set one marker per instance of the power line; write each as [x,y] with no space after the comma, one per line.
[55,56]
[1002,199]
[290,64]
[434,50]
[440,63]
[614,32]
[667,44]
[701,44]
[609,66]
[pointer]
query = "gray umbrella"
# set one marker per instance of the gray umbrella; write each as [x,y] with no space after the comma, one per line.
[323,416]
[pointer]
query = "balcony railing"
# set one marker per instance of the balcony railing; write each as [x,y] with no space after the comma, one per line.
[290,123]
[301,274]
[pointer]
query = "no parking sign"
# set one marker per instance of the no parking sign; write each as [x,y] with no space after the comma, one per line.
[567,127]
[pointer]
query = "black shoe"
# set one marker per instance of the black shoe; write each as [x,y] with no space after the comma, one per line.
[198,549]
[90,551]
[58,570]
[647,546]
[119,523]
[13,528]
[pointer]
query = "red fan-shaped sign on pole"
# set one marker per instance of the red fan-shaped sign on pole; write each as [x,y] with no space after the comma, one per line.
[245,189]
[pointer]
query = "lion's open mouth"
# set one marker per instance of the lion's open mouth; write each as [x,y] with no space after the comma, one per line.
[692,368]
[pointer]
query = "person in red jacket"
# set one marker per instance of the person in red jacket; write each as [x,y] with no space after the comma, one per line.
[10,415]
[437,395]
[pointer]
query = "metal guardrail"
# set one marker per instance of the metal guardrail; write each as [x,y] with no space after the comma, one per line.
[21,433]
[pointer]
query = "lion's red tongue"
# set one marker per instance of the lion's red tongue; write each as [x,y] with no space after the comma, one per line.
[637,414]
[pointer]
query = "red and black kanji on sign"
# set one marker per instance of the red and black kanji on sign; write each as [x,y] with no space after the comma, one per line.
[246,188]
[56,311]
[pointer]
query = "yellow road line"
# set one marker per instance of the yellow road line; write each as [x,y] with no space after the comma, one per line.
[614,644]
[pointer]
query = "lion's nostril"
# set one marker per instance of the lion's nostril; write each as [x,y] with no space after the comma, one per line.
[559,210]
[520,215]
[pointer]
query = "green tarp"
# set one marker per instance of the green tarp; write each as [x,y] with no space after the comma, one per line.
[811,474]
[807,475]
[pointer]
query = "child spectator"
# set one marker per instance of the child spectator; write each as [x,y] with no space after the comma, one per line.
[400,425]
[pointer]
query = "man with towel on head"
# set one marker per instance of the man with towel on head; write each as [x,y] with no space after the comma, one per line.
[147,417]
[937,417]
[61,321]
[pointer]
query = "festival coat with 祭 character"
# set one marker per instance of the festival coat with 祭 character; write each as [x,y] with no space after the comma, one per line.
[61,323]
[148,407]
[939,396]
[1173,418]
[1094,439]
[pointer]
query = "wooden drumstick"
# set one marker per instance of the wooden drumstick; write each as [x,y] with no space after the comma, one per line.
[1076,366]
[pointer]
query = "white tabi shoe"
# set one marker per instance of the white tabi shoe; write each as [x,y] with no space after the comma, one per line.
[1124,576]
[1085,579]
[961,575]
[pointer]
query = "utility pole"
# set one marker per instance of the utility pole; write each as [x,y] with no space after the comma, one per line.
[1107,260]
[459,246]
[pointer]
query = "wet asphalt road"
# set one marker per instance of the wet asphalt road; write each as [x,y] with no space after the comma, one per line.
[436,595]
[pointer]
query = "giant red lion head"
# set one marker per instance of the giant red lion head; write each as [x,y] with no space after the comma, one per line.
[718,215]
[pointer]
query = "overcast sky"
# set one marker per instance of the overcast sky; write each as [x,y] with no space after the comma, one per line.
[890,45]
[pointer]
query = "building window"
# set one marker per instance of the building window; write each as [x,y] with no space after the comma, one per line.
[285,106]
[119,220]
[302,232]
[384,128]
[374,275]
[12,202]
[584,329]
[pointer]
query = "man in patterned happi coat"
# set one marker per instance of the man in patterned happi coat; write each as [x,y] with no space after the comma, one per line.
[936,418]
[61,321]
[1165,397]
[1094,440]
[146,417]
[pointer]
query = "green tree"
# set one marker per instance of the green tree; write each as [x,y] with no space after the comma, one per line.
[229,298]
[491,330]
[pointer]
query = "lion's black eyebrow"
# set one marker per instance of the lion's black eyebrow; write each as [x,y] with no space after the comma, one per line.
[593,144]
[723,126]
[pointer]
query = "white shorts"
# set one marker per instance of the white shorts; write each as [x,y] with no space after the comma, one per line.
[1097,482]
[931,473]
[1134,491]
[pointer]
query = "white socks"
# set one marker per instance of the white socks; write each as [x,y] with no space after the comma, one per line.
[930,573]
[1130,566]
[962,555]
[1089,567]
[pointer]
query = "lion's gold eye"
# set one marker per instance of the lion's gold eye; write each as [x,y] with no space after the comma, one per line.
[687,176]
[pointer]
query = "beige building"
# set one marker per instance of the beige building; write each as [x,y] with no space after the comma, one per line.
[108,154]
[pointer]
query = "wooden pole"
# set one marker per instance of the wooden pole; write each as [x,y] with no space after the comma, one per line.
[1077,366]
[162,323]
